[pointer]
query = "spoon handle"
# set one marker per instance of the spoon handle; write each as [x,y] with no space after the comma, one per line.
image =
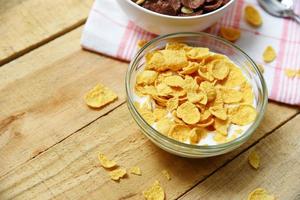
[295,17]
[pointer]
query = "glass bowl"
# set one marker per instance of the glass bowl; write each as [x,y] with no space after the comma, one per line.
[217,45]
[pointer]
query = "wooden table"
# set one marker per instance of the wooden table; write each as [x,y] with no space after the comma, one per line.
[49,138]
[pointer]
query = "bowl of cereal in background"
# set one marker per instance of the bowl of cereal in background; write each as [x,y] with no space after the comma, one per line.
[194,94]
[169,16]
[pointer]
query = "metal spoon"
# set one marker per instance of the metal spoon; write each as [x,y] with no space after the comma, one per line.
[280,8]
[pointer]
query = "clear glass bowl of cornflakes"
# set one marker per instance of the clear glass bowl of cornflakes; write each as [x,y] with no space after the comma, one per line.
[211,124]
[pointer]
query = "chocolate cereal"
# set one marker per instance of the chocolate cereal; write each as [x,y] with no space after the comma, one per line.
[181,7]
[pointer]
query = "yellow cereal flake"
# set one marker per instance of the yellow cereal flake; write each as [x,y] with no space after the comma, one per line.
[166,174]
[220,139]
[205,115]
[252,16]
[248,95]
[190,85]
[260,194]
[146,90]
[219,69]
[176,46]
[191,68]
[172,103]
[147,115]
[209,89]
[155,192]
[231,95]
[235,78]
[164,125]
[204,73]
[198,53]
[163,89]
[218,112]
[188,112]
[142,43]
[243,115]
[117,174]
[230,34]
[99,96]
[269,54]
[146,77]
[221,126]
[163,60]
[196,134]
[254,159]
[197,97]
[159,113]
[135,170]
[179,132]
[105,162]
[174,81]
[291,73]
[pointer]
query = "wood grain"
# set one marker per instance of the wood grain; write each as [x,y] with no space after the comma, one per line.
[26,24]
[70,169]
[279,172]
[41,97]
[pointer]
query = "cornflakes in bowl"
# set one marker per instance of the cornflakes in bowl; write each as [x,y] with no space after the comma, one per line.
[193,95]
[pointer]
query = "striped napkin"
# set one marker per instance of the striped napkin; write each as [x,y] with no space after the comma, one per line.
[110,32]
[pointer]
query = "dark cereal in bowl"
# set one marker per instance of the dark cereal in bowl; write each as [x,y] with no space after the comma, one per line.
[181,7]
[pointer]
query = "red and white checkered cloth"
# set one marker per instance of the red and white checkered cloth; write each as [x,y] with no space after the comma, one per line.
[110,32]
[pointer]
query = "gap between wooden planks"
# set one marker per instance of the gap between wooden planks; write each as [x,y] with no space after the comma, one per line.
[28,24]
[41,97]
[70,169]
[279,171]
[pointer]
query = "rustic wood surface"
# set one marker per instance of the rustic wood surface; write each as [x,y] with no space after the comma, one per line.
[49,139]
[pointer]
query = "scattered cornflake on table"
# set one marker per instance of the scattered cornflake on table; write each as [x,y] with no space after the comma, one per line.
[135,170]
[155,192]
[166,174]
[252,16]
[99,96]
[230,34]
[254,159]
[142,43]
[105,162]
[260,194]
[269,54]
[117,174]
[291,73]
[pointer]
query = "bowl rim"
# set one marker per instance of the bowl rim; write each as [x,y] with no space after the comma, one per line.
[178,17]
[240,139]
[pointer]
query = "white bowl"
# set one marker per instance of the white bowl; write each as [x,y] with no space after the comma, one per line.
[164,24]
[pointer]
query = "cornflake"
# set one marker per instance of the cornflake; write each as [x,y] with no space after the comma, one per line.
[135,170]
[105,162]
[243,115]
[269,54]
[155,192]
[188,112]
[230,34]
[254,159]
[117,174]
[260,194]
[99,96]
[252,16]
[192,93]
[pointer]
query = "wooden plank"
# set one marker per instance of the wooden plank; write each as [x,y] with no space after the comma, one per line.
[41,97]
[26,24]
[70,169]
[279,172]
